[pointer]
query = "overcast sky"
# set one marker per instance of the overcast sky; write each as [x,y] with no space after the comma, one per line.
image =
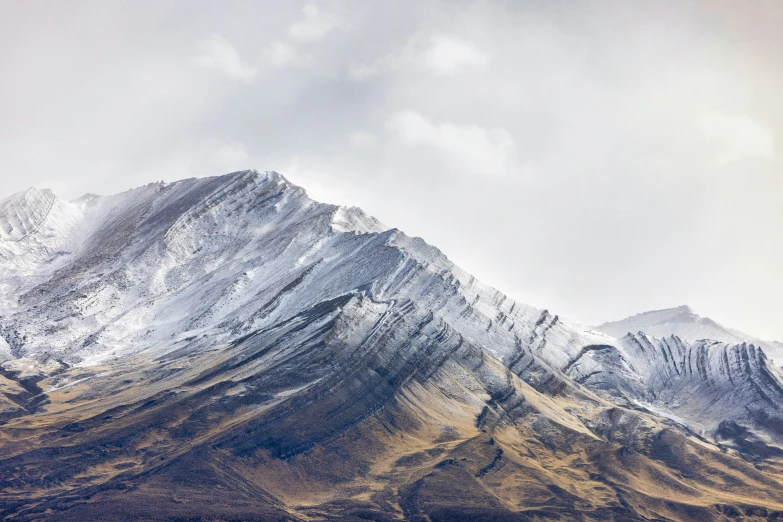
[595,158]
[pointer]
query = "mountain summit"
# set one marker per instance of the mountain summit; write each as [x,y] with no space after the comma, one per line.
[686,324]
[228,348]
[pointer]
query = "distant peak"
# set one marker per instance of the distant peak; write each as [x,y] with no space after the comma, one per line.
[681,310]
[27,195]
[36,191]
[86,197]
[22,213]
[681,321]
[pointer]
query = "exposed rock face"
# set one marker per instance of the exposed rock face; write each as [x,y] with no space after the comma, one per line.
[708,382]
[227,348]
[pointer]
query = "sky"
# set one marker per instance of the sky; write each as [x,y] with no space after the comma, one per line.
[596,158]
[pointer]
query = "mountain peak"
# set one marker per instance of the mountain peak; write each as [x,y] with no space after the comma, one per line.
[22,213]
[682,312]
[683,322]
[256,332]
[28,195]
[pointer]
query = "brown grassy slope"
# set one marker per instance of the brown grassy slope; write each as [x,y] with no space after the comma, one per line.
[440,448]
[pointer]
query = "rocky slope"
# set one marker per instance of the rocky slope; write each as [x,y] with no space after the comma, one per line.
[227,348]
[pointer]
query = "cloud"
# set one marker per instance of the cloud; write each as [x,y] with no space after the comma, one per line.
[282,54]
[361,139]
[229,156]
[446,55]
[737,138]
[466,147]
[314,25]
[218,54]
[363,72]
[438,54]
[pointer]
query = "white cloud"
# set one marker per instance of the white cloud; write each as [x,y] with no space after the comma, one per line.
[282,54]
[314,25]
[218,54]
[321,184]
[362,139]
[438,54]
[229,156]
[362,72]
[465,147]
[446,55]
[737,138]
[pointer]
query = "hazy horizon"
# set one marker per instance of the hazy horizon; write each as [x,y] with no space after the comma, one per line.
[598,159]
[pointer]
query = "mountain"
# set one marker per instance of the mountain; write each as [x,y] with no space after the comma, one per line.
[686,324]
[227,348]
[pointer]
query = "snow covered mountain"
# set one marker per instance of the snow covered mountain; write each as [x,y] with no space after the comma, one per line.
[686,324]
[229,348]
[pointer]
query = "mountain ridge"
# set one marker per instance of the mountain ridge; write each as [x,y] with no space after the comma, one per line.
[264,356]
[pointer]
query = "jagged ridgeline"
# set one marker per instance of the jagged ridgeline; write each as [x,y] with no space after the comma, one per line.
[227,348]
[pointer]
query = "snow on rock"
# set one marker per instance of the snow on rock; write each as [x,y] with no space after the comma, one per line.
[708,382]
[201,263]
[686,324]
[23,213]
